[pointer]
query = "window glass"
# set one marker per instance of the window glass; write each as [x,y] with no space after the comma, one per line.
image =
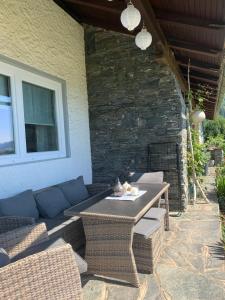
[40,119]
[7,145]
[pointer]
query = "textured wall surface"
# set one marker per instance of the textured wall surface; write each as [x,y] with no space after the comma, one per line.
[134,102]
[41,35]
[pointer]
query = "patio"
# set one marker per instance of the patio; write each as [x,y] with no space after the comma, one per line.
[192,265]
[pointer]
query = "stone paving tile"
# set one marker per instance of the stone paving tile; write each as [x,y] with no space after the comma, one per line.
[93,289]
[182,284]
[154,291]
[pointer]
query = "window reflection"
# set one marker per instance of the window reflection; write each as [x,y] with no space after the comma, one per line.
[6,118]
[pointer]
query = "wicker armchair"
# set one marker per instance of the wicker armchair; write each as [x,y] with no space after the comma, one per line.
[17,234]
[50,274]
[10,223]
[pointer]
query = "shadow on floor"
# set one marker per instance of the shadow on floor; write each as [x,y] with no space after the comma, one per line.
[217,251]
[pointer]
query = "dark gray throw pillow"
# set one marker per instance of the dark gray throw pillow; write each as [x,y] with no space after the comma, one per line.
[4,258]
[75,190]
[51,202]
[22,205]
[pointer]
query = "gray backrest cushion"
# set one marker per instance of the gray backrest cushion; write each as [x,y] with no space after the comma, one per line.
[4,258]
[150,177]
[22,205]
[51,202]
[75,190]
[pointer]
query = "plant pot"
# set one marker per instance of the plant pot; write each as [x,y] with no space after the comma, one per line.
[192,191]
[206,170]
[221,201]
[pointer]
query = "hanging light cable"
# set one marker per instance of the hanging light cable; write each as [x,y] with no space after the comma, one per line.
[130,17]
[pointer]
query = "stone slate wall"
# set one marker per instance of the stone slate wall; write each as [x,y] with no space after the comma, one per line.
[134,102]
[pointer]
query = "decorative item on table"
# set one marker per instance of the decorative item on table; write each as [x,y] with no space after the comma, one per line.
[127,187]
[118,188]
[134,191]
[130,190]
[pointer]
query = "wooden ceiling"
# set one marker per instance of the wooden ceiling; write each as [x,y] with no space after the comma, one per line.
[184,30]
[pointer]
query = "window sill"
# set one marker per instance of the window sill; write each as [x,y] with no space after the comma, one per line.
[31,158]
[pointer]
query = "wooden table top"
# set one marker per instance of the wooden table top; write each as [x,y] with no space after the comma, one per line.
[130,210]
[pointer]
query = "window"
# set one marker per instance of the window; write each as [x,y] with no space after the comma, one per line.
[31,116]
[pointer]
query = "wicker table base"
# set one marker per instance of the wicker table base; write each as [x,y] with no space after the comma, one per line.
[109,248]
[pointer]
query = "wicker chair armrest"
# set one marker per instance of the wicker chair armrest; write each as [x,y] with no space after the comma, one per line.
[96,188]
[8,223]
[18,240]
[50,274]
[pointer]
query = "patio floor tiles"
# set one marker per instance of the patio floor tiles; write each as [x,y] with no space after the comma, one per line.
[192,265]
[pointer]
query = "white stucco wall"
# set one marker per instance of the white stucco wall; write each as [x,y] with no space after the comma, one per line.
[40,34]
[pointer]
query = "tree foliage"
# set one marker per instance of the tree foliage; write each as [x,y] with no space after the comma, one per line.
[214,128]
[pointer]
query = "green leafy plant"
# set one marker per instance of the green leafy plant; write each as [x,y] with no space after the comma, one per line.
[223,228]
[216,142]
[201,156]
[220,187]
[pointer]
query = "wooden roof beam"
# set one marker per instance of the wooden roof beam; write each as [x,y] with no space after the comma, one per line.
[181,19]
[111,7]
[148,15]
[200,68]
[198,63]
[203,79]
[192,47]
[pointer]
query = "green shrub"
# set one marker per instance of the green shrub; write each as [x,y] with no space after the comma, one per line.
[220,171]
[220,188]
[213,128]
[201,156]
[218,142]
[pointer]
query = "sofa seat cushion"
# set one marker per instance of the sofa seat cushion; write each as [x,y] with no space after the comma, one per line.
[21,205]
[52,243]
[75,190]
[52,223]
[57,223]
[4,258]
[146,227]
[155,213]
[51,202]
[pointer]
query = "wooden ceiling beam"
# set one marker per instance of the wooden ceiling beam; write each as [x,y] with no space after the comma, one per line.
[148,15]
[192,47]
[181,19]
[198,63]
[107,6]
[200,68]
[203,79]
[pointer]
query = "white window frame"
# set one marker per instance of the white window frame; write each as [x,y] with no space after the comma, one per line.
[17,76]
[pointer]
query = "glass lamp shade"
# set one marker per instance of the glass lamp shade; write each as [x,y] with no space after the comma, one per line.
[143,39]
[130,17]
[198,116]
